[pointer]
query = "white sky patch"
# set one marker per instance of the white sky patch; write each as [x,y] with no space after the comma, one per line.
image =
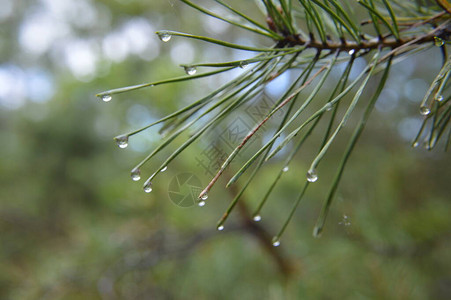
[81,58]
[267,136]
[40,30]
[243,54]
[279,85]
[60,9]
[139,116]
[214,26]
[115,47]
[408,128]
[400,72]
[213,53]
[182,52]
[47,29]
[39,85]
[138,33]
[80,13]
[138,144]
[150,53]
[388,100]
[12,87]
[136,36]
[83,14]
[357,67]
[415,89]
[6,9]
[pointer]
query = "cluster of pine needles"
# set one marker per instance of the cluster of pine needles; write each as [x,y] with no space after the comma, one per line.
[311,38]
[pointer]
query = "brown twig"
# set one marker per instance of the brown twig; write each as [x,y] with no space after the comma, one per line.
[421,39]
[366,44]
[263,237]
[445,5]
[442,31]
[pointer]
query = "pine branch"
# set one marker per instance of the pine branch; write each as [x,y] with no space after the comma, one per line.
[402,28]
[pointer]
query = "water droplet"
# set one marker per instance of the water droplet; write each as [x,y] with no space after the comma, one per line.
[329,106]
[204,196]
[220,227]
[276,241]
[438,41]
[317,231]
[122,141]
[424,110]
[345,221]
[244,64]
[351,52]
[164,36]
[201,203]
[147,187]
[190,70]
[136,174]
[164,169]
[257,218]
[416,144]
[312,176]
[439,98]
[285,169]
[106,98]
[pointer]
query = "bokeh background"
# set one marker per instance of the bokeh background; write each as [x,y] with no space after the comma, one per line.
[73,225]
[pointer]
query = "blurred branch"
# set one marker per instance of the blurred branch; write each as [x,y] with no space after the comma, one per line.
[259,232]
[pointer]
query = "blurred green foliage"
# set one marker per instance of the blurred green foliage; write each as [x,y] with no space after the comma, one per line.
[74,226]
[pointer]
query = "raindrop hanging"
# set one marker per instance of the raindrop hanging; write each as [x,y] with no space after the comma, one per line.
[190,70]
[312,176]
[424,110]
[122,141]
[136,174]
[257,218]
[438,42]
[106,98]
[147,187]
[164,36]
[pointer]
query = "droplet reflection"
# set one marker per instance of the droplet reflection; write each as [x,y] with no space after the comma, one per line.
[164,36]
[122,141]
[136,174]
[312,176]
